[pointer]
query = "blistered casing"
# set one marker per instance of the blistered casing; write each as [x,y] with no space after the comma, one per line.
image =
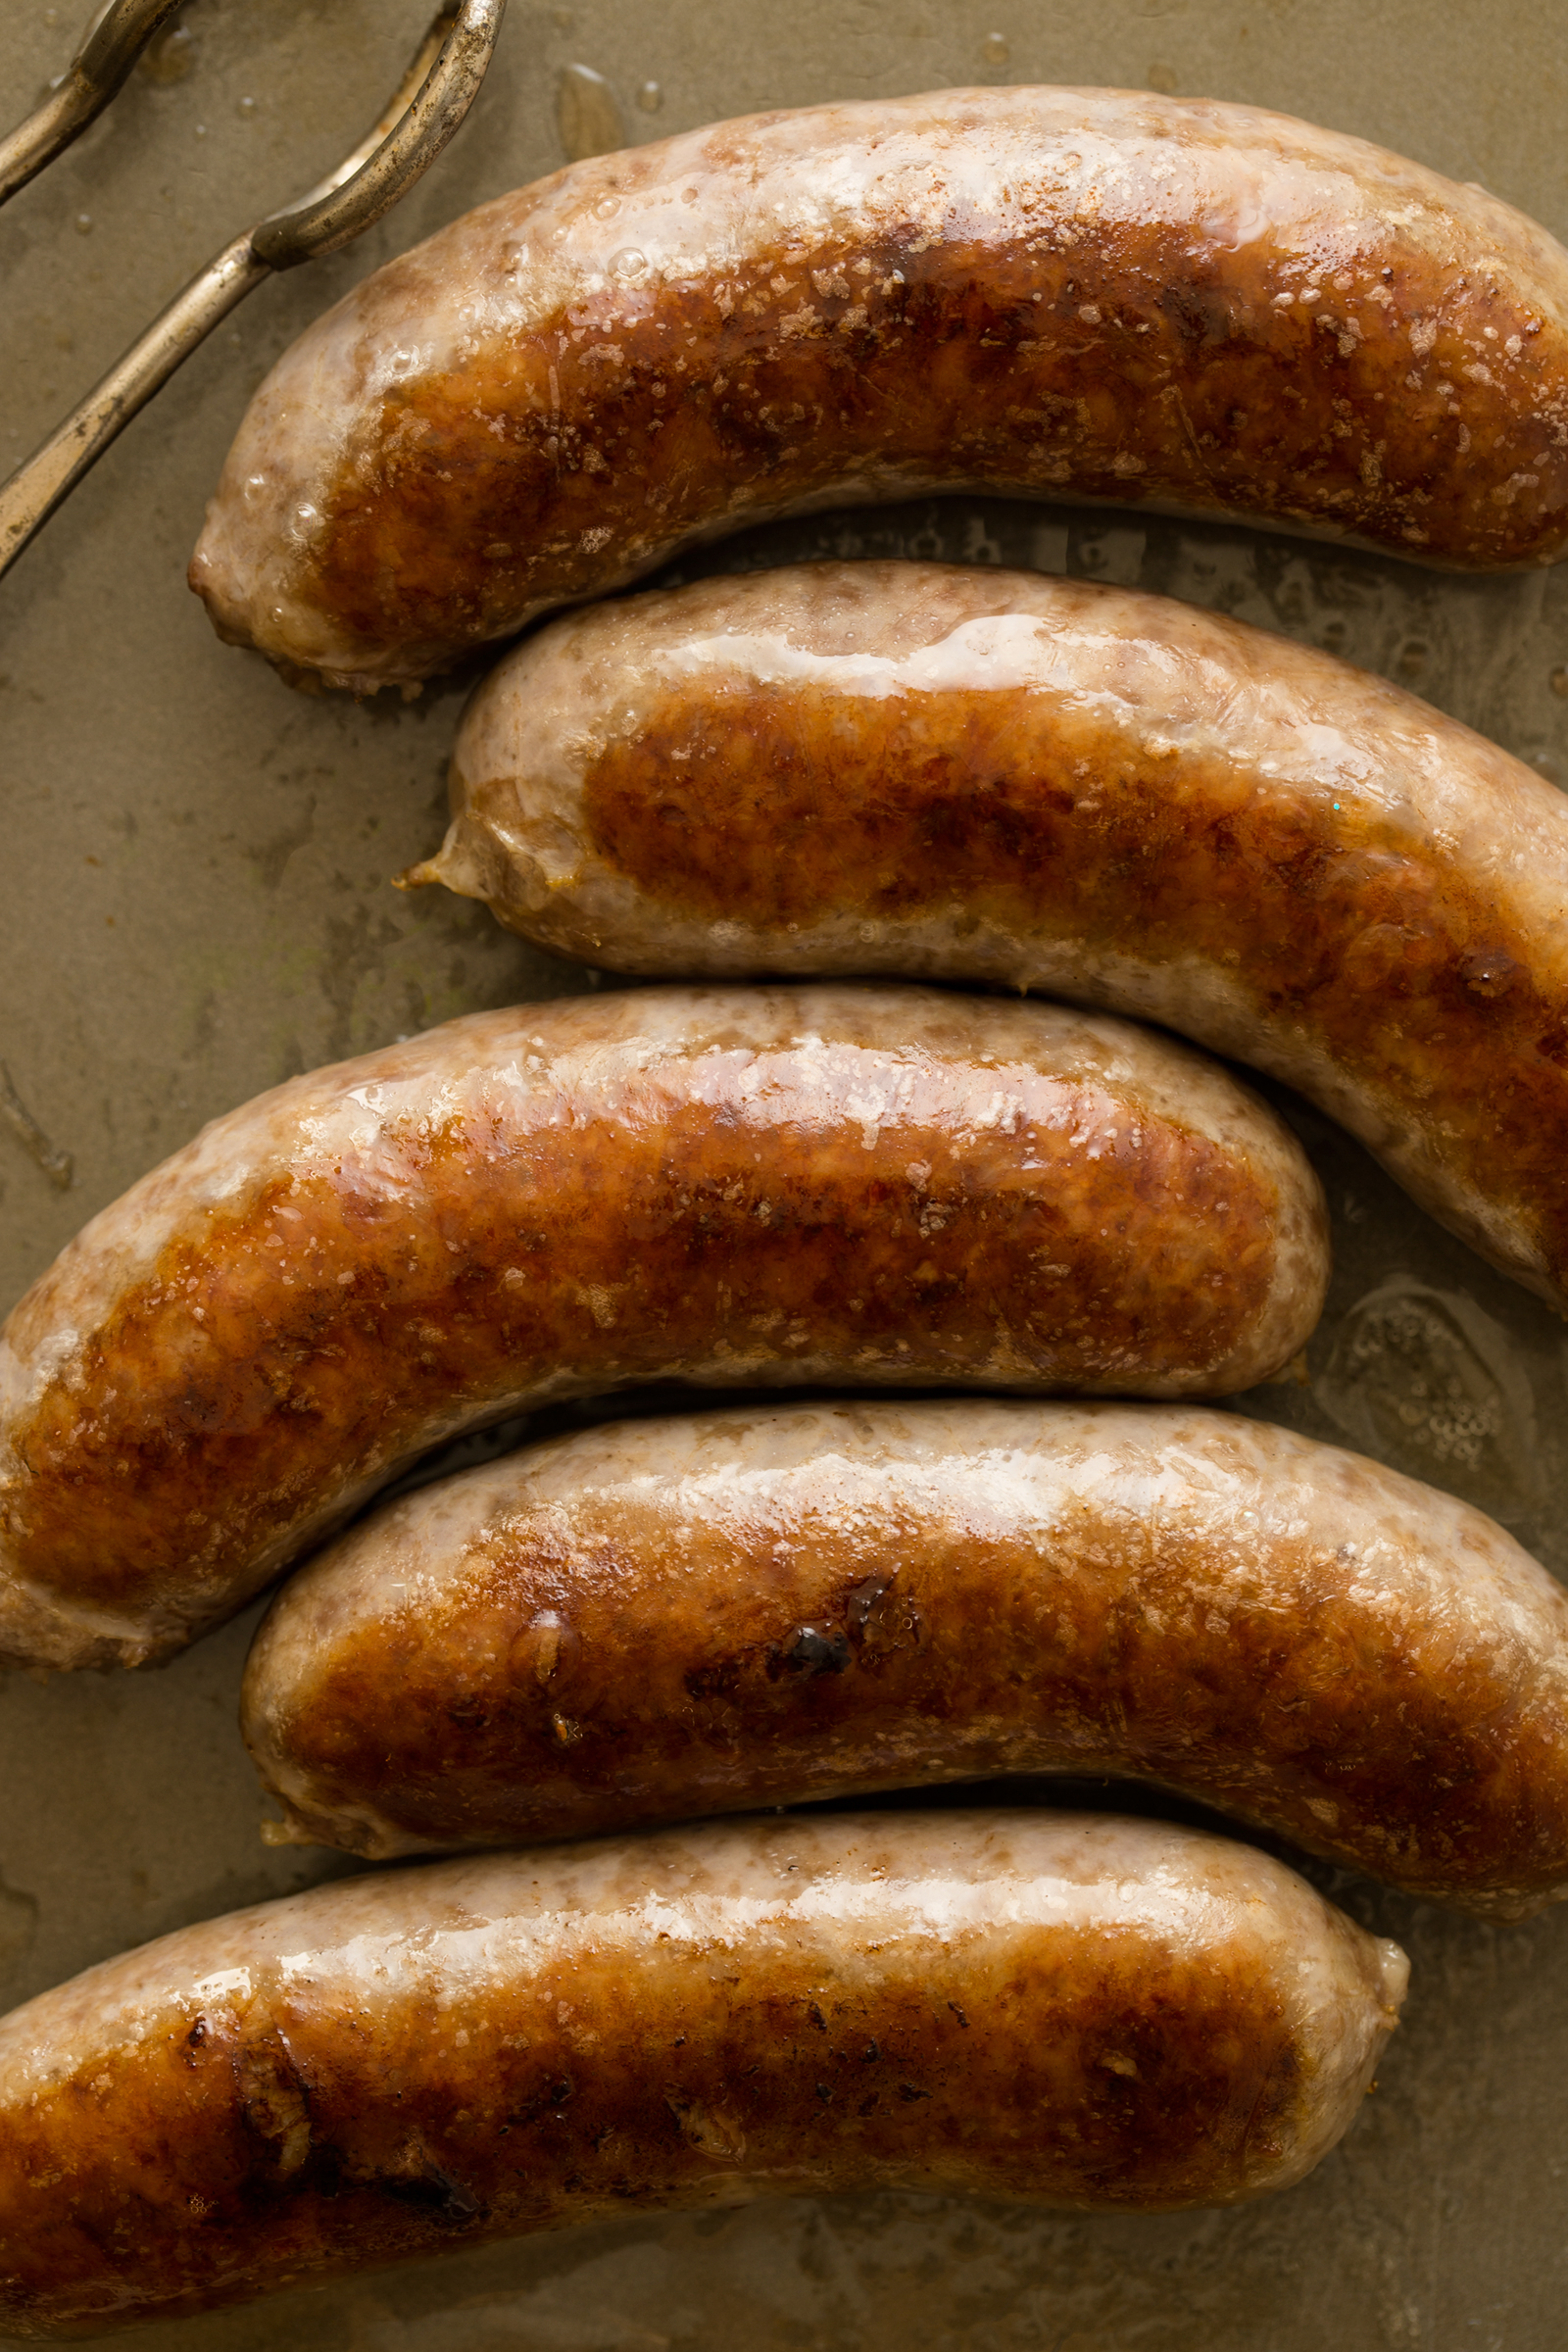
[885,1187]
[1078,294]
[733,1608]
[1073,2009]
[919,769]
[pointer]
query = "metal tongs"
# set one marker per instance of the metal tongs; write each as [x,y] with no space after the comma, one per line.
[431,100]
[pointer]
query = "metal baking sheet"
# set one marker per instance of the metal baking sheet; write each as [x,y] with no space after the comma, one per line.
[194,864]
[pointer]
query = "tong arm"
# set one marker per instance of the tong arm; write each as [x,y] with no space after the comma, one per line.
[434,95]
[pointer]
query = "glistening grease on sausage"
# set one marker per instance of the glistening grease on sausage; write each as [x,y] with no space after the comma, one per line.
[921,769]
[740,1608]
[1069,2010]
[1078,294]
[884,1186]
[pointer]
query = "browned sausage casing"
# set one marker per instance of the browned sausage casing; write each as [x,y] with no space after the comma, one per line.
[886,1186]
[1079,294]
[1071,2010]
[920,769]
[739,1608]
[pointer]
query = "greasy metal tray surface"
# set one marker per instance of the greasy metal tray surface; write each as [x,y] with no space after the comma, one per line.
[194,869]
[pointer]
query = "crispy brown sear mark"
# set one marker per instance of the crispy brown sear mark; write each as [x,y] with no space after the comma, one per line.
[773,808]
[1231,405]
[1074,294]
[1083,2012]
[748,1608]
[722,1185]
[920,769]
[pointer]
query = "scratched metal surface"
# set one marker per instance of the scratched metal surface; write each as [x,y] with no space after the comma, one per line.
[193,873]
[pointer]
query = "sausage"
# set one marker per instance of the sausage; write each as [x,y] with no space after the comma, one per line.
[1071,2010]
[924,770]
[1072,294]
[759,1606]
[888,1185]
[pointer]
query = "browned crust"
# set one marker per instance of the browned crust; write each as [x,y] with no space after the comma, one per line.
[292,1349]
[967,363]
[180,2196]
[1089,294]
[1009,814]
[324,2117]
[607,1663]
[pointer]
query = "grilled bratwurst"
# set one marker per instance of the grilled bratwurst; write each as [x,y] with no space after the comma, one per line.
[1076,294]
[757,1606]
[918,769]
[1073,2009]
[885,1187]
